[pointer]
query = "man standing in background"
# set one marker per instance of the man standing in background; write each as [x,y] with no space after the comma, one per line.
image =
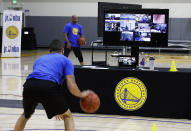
[72,32]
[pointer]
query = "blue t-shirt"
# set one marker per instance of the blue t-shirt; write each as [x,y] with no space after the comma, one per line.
[73,32]
[53,67]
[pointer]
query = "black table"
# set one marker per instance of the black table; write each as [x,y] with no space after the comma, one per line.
[168,93]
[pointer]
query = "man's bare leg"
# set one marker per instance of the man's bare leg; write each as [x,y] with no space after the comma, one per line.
[68,120]
[21,122]
[81,63]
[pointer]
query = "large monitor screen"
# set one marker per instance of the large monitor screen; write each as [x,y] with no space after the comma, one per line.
[108,5]
[136,27]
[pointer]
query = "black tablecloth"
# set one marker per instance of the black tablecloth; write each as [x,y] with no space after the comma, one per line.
[168,93]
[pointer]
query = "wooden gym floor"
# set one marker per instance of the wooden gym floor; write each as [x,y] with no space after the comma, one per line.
[13,72]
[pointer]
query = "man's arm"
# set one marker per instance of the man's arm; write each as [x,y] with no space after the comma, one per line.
[73,88]
[67,40]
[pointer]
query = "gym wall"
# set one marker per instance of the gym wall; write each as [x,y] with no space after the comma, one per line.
[49,17]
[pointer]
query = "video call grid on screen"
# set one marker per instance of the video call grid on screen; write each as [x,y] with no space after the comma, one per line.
[142,27]
[135,27]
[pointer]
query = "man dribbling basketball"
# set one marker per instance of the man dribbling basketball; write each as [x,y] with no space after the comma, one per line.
[44,84]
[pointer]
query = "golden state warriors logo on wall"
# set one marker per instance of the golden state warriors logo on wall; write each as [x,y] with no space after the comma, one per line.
[130,94]
[12,32]
[75,31]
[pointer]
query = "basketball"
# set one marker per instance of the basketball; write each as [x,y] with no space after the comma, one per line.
[90,103]
[81,41]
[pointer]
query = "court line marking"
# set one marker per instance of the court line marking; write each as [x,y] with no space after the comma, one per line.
[92,116]
[14,75]
[10,95]
[28,54]
[136,119]
[50,130]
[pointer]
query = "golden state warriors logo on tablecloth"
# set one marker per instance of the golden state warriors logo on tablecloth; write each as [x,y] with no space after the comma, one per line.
[130,93]
[12,32]
[75,31]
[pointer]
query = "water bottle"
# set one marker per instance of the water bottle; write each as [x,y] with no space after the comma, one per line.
[151,63]
[142,60]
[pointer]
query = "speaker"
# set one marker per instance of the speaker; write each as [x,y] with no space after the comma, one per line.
[1,35]
[28,40]
[135,53]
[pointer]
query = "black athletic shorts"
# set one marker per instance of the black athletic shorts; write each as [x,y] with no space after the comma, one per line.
[77,52]
[48,93]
